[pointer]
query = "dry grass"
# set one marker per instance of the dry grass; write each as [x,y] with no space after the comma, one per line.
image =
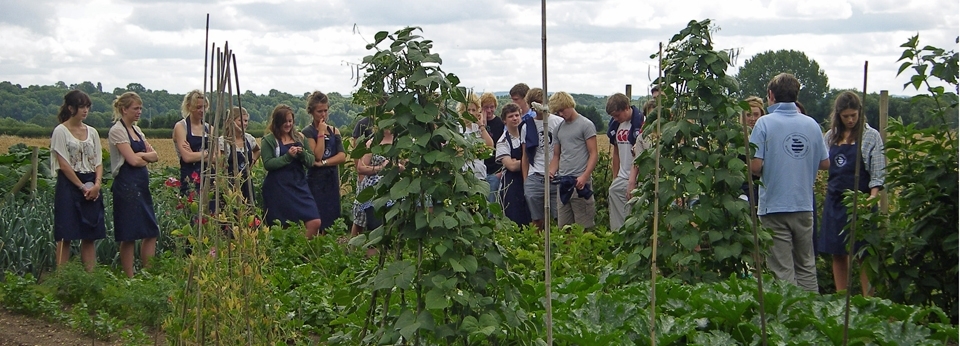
[163,146]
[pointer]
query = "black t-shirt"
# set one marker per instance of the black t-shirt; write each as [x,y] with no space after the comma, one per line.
[495,129]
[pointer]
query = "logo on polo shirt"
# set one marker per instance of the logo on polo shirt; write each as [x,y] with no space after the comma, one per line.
[796,145]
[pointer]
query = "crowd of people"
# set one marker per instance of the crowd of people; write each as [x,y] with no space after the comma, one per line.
[302,183]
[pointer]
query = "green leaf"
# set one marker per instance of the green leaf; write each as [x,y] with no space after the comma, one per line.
[470,264]
[457,267]
[435,299]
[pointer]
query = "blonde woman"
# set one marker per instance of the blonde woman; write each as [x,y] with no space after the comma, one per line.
[188,139]
[286,196]
[77,159]
[133,214]
[323,176]
[240,148]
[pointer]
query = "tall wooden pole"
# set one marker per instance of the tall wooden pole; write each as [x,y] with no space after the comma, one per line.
[884,110]
[547,251]
[656,207]
[856,193]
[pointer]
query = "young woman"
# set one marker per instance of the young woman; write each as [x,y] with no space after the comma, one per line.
[749,119]
[240,150]
[475,132]
[370,166]
[188,140]
[286,196]
[78,161]
[842,138]
[133,214]
[323,176]
[509,153]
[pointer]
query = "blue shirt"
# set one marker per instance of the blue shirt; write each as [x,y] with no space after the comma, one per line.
[791,147]
[530,114]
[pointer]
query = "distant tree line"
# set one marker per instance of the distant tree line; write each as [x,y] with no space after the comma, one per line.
[35,107]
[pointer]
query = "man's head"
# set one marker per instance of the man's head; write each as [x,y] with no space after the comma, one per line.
[783,87]
[488,104]
[563,104]
[618,106]
[518,94]
[533,95]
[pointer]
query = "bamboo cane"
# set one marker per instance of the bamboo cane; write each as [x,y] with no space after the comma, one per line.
[547,251]
[752,202]
[856,194]
[656,207]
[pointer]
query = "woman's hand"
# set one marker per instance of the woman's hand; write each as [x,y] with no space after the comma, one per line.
[92,193]
[295,151]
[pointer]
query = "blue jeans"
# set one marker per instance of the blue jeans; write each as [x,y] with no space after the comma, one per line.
[494,182]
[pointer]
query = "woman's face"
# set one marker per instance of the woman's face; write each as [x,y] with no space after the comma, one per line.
[320,112]
[132,113]
[196,109]
[473,110]
[241,122]
[750,119]
[512,119]
[82,112]
[849,118]
[287,123]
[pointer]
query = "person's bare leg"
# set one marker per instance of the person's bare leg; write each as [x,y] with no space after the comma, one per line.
[63,252]
[148,248]
[88,254]
[840,271]
[126,257]
[313,228]
[865,282]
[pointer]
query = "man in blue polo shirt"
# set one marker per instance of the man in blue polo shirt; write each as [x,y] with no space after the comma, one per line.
[790,150]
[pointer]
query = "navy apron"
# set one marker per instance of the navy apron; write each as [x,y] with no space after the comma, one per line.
[239,160]
[187,170]
[324,182]
[832,238]
[286,196]
[74,217]
[133,214]
[511,192]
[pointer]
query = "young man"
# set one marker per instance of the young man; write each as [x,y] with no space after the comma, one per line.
[519,96]
[574,158]
[790,149]
[488,106]
[536,144]
[623,132]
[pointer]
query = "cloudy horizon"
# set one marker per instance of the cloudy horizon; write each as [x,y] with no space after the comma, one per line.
[594,47]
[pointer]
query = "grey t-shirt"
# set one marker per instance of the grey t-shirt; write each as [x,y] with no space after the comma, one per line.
[572,138]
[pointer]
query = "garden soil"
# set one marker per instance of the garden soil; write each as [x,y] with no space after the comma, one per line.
[20,330]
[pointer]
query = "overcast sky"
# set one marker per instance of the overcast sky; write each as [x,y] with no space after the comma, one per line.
[595,47]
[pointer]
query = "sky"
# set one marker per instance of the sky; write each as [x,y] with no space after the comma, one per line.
[594,46]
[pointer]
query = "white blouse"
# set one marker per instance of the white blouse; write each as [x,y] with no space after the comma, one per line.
[83,155]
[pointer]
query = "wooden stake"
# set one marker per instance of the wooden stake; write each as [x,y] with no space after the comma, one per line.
[884,110]
[656,207]
[547,251]
[856,194]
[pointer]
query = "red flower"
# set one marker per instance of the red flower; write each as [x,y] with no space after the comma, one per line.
[195,177]
[179,205]
[190,197]
[172,182]
[255,223]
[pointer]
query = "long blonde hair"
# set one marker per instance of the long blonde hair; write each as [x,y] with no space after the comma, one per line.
[124,101]
[230,126]
[189,99]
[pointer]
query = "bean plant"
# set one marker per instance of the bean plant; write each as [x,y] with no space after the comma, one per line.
[437,275]
[703,233]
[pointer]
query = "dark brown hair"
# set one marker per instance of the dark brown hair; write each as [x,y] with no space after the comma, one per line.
[846,100]
[72,102]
